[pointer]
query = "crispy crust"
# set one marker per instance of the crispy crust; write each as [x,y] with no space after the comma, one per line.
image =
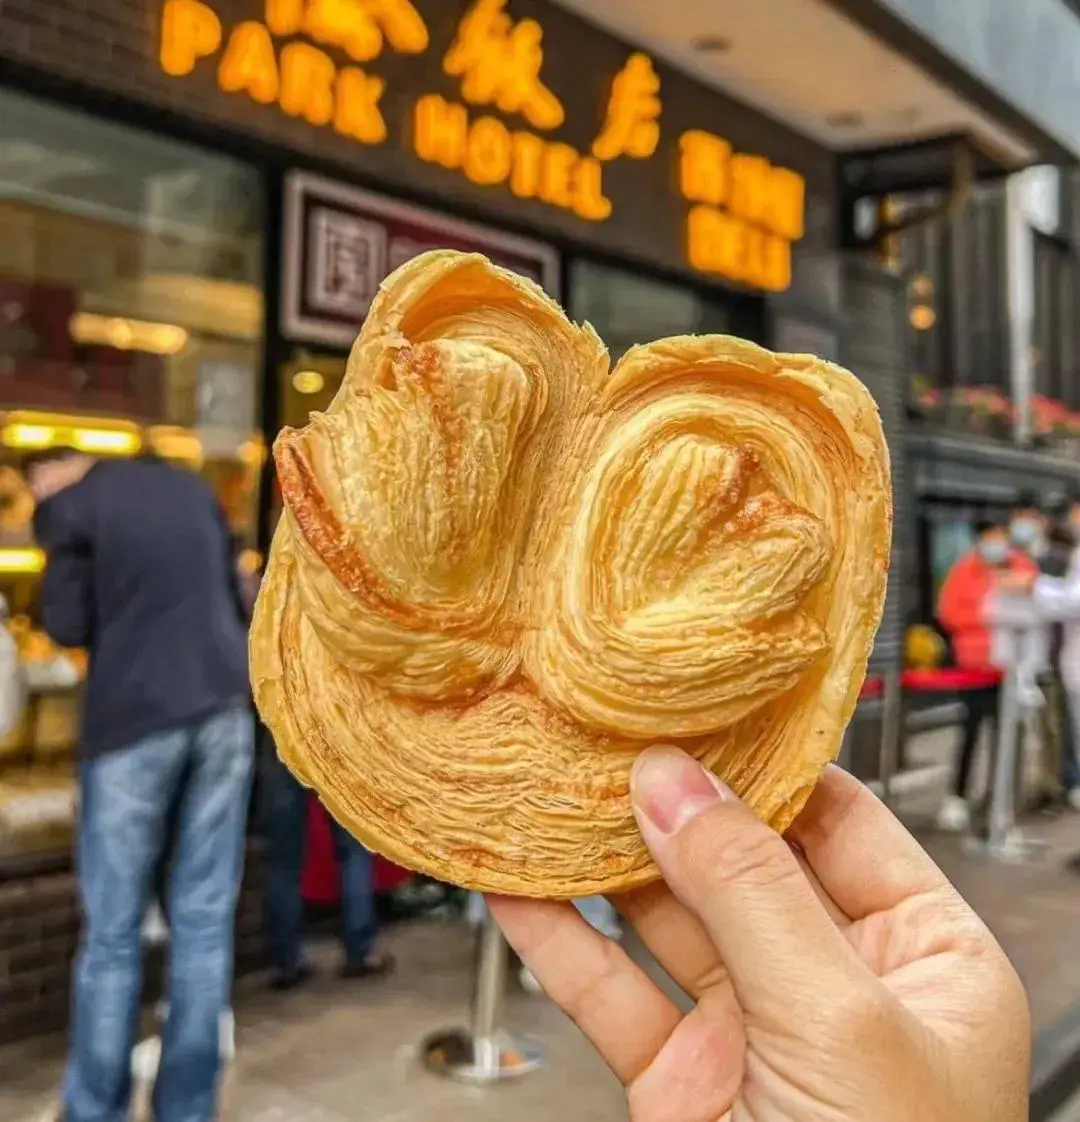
[503,571]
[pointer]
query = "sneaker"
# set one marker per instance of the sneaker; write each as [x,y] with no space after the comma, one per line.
[954,817]
[282,982]
[377,964]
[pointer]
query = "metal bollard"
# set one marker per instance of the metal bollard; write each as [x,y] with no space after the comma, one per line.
[484,1052]
[1005,841]
[1002,800]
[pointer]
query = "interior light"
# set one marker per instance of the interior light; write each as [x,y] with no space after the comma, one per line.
[32,432]
[252,453]
[172,442]
[98,442]
[922,317]
[250,561]
[29,436]
[308,381]
[125,334]
[922,286]
[14,560]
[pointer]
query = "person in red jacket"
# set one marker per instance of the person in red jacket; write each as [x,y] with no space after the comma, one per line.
[962,613]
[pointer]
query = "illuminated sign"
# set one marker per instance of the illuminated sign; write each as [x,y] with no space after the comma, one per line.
[498,62]
[747,212]
[632,124]
[302,80]
[358,27]
[309,59]
[488,153]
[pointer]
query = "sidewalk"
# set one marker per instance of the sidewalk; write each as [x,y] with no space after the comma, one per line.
[347,1052]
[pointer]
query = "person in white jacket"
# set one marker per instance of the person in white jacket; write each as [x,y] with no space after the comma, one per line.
[1057,600]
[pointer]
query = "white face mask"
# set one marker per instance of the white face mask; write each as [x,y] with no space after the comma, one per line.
[1024,532]
[994,552]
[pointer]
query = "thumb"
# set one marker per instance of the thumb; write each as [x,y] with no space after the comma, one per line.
[780,948]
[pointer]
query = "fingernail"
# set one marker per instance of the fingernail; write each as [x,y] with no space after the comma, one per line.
[670,788]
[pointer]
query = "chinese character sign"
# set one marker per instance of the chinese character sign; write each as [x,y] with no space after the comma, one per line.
[747,212]
[632,124]
[498,62]
[359,27]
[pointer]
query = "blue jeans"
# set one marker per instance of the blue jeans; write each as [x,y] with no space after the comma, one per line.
[202,775]
[285,819]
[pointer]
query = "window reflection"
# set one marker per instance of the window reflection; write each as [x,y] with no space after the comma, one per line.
[131,319]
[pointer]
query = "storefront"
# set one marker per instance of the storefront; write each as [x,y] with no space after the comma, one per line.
[197,206]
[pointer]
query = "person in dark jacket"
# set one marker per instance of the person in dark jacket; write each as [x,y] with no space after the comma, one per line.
[140,573]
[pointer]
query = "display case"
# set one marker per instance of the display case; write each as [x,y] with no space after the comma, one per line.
[131,324]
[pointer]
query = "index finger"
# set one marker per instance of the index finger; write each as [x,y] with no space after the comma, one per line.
[861,853]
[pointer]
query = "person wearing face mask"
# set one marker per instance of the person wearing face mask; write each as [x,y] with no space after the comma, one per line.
[963,610]
[1028,526]
[1056,597]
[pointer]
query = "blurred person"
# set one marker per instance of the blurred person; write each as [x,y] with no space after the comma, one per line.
[962,610]
[140,573]
[1028,525]
[1058,762]
[285,823]
[1057,599]
[835,976]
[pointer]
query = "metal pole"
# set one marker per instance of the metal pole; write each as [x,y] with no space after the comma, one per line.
[484,1052]
[1005,842]
[1002,802]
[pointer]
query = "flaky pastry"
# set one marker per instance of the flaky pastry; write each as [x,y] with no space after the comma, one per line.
[502,570]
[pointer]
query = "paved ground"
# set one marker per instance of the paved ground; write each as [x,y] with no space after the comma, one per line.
[1068,1113]
[342,1052]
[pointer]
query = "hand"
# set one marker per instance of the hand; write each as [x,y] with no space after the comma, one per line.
[837,977]
[53,476]
[1018,583]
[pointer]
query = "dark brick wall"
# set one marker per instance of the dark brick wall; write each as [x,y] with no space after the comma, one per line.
[110,47]
[39,934]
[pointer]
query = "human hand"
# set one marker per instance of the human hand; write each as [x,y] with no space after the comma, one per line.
[838,976]
[1018,583]
[50,477]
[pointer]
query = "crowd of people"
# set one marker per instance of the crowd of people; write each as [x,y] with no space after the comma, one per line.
[1013,602]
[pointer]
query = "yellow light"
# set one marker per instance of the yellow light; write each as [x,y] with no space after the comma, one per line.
[308,381]
[358,27]
[189,31]
[21,560]
[922,317]
[250,561]
[488,154]
[91,329]
[722,243]
[252,453]
[105,442]
[922,286]
[172,442]
[632,124]
[499,61]
[29,436]
[29,432]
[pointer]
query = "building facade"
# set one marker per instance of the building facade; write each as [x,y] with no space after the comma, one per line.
[198,199]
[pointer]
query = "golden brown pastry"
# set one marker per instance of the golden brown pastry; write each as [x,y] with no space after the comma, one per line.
[502,571]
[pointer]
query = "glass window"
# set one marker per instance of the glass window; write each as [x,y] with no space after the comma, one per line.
[131,320]
[626,308]
[954,263]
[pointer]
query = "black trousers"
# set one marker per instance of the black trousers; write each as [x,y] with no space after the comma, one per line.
[982,712]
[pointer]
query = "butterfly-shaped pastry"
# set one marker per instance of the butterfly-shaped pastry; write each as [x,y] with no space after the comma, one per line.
[503,569]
